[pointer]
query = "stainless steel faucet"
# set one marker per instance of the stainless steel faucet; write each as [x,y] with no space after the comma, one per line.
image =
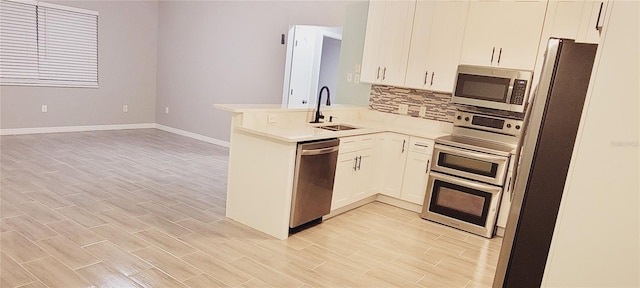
[318,114]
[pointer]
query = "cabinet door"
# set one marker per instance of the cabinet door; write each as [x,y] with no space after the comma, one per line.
[436,41]
[414,184]
[505,204]
[395,41]
[395,156]
[371,52]
[343,183]
[593,18]
[364,169]
[504,34]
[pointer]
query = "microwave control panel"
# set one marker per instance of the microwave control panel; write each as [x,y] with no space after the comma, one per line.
[518,92]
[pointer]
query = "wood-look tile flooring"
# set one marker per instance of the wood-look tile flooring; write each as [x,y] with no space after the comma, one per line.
[145,208]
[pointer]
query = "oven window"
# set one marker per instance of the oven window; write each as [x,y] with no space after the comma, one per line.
[482,87]
[466,164]
[460,202]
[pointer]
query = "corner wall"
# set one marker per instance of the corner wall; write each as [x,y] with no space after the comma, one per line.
[127,41]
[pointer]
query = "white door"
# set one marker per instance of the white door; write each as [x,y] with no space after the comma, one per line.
[302,64]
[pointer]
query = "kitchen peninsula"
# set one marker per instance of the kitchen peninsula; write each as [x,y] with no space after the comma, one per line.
[262,157]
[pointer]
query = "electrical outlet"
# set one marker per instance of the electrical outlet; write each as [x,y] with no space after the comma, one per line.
[125,108]
[272,118]
[356,78]
[403,109]
[423,111]
[358,67]
[166,110]
[44,108]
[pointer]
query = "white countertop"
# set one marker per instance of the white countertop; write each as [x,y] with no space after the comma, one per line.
[300,131]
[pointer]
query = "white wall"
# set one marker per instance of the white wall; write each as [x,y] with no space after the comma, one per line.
[127,41]
[596,242]
[226,52]
[355,27]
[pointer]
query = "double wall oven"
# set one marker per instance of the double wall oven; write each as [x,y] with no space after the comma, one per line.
[468,171]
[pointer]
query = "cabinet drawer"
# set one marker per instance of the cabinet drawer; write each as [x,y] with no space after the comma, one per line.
[421,145]
[355,143]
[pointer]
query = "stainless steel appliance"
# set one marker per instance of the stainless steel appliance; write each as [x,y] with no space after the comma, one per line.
[490,87]
[315,171]
[469,171]
[545,156]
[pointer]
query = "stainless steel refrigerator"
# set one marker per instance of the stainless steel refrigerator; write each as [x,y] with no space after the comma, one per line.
[546,148]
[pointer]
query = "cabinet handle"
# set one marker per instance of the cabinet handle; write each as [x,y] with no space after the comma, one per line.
[378,75]
[508,189]
[355,163]
[403,142]
[426,73]
[432,74]
[359,161]
[427,171]
[492,53]
[384,73]
[499,55]
[599,14]
[304,101]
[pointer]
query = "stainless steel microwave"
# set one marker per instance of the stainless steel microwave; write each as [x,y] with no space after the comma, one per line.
[494,88]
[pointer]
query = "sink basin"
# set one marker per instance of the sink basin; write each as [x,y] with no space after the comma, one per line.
[339,127]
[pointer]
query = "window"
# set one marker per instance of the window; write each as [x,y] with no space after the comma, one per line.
[43,44]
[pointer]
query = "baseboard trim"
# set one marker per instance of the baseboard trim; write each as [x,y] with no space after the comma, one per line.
[399,203]
[192,135]
[59,129]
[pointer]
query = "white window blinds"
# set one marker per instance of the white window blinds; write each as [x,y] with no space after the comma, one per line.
[47,44]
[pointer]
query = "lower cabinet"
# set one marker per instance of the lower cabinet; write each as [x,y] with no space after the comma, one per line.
[505,203]
[353,171]
[391,164]
[394,157]
[416,170]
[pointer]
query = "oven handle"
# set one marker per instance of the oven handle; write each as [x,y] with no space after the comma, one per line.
[471,153]
[467,183]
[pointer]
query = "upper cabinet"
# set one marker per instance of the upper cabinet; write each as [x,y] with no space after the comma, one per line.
[580,20]
[387,40]
[436,41]
[503,34]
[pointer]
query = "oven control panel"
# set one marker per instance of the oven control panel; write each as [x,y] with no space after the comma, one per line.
[489,123]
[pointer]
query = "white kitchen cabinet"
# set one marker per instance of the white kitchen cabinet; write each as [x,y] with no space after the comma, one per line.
[387,40]
[505,203]
[579,20]
[416,172]
[436,41]
[353,171]
[503,34]
[394,158]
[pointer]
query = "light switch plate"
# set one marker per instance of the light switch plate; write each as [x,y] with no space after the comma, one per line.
[358,67]
[423,111]
[403,109]
[356,78]
[349,76]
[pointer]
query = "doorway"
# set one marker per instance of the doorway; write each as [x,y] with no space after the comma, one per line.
[313,55]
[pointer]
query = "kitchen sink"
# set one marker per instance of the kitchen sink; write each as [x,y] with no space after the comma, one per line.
[339,127]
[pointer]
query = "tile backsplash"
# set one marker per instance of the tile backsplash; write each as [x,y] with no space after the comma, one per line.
[387,98]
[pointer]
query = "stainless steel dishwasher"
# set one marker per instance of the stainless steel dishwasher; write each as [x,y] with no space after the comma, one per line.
[313,182]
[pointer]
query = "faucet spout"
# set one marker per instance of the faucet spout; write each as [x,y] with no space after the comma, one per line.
[319,115]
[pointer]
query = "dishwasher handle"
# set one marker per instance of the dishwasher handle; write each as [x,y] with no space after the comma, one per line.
[320,151]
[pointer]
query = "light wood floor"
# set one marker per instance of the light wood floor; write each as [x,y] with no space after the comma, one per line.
[145,208]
